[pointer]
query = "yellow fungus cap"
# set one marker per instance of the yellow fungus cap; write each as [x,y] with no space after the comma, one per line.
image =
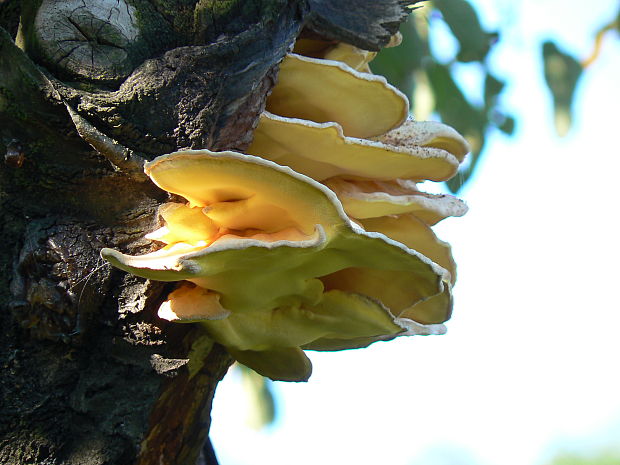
[190,303]
[415,234]
[321,151]
[351,55]
[372,199]
[265,284]
[322,91]
[239,192]
[427,134]
[269,341]
[183,223]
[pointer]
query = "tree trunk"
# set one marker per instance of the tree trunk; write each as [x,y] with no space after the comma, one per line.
[89,90]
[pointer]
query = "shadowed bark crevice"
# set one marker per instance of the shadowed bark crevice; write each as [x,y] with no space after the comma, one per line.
[9,15]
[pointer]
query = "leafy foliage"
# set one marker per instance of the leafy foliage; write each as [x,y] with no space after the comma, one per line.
[462,19]
[562,72]
[260,390]
[601,458]
[432,84]
[418,73]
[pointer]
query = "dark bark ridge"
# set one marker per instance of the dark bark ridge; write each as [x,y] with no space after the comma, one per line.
[367,24]
[9,15]
[90,374]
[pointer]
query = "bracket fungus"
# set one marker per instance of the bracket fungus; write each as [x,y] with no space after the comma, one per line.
[321,151]
[357,58]
[374,174]
[318,238]
[275,264]
[364,105]
[371,199]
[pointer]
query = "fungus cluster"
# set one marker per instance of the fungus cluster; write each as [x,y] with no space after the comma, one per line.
[318,238]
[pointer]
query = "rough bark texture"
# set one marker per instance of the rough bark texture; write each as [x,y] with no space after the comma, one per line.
[367,25]
[90,375]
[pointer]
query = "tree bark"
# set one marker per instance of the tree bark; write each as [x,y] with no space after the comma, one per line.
[90,375]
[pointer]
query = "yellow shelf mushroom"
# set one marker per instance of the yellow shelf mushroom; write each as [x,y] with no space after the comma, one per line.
[408,229]
[273,260]
[355,57]
[412,134]
[318,90]
[372,199]
[372,178]
[374,173]
[322,151]
[322,243]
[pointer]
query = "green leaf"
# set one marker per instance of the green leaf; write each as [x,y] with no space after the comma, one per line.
[462,19]
[398,64]
[260,391]
[562,72]
[456,111]
[508,126]
[606,457]
[415,72]
[492,88]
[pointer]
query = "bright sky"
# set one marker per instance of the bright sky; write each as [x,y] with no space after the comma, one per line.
[529,364]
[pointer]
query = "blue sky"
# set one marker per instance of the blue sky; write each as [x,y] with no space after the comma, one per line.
[529,364]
